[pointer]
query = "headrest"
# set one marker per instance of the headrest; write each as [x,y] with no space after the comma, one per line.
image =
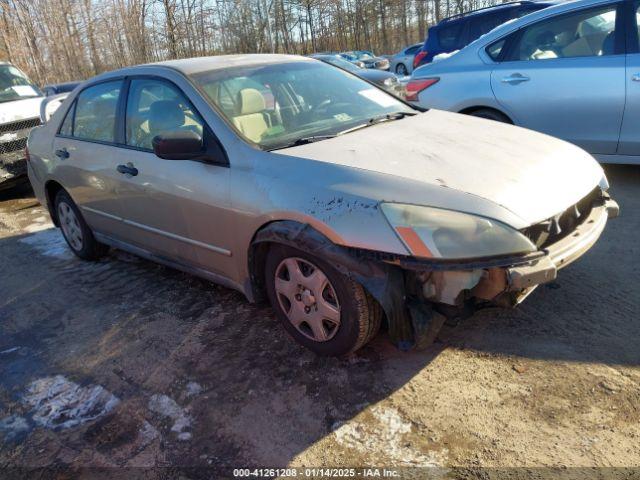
[165,115]
[250,101]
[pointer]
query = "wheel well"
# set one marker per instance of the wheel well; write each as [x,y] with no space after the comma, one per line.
[470,110]
[51,189]
[257,262]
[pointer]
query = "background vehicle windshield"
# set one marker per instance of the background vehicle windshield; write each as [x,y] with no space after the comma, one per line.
[276,104]
[14,85]
[339,62]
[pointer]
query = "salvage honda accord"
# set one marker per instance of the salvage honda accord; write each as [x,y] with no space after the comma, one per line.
[288,179]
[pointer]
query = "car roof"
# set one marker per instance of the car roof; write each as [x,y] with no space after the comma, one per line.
[201,64]
[490,10]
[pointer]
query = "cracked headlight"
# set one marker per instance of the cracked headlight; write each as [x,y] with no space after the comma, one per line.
[437,233]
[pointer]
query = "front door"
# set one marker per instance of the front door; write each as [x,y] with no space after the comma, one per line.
[173,208]
[565,76]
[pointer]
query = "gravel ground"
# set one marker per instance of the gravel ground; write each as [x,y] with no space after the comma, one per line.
[126,363]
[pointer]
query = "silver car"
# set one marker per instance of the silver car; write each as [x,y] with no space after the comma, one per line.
[402,62]
[289,179]
[567,70]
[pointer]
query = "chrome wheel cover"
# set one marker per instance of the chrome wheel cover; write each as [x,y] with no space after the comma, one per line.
[70,225]
[307,298]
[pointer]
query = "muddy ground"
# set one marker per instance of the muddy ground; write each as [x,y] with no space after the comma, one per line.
[126,363]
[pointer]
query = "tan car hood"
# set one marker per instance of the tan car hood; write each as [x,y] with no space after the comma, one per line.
[534,176]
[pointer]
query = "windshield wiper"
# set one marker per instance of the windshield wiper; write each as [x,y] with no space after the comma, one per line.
[304,140]
[387,117]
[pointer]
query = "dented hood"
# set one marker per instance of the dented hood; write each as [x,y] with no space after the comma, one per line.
[534,176]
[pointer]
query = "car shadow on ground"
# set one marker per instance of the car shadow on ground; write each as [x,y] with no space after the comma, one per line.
[248,395]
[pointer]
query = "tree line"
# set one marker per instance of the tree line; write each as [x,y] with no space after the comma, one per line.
[64,40]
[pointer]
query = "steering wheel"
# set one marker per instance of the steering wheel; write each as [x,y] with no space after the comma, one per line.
[328,107]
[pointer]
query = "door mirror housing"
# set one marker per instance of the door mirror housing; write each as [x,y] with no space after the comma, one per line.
[178,145]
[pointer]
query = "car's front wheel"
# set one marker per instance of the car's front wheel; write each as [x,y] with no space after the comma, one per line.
[320,308]
[75,230]
[401,69]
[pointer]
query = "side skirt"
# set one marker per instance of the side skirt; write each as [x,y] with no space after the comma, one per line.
[195,271]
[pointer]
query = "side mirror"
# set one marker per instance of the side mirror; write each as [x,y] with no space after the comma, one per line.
[178,145]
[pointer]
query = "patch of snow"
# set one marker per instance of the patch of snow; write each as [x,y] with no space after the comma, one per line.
[10,350]
[443,56]
[167,407]
[60,403]
[193,388]
[13,426]
[383,439]
[50,243]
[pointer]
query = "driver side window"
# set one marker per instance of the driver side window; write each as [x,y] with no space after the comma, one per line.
[155,107]
[589,33]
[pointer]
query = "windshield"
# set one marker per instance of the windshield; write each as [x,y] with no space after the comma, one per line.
[14,85]
[275,105]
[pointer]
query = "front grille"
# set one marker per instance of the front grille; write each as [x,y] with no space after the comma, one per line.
[19,125]
[558,227]
[13,136]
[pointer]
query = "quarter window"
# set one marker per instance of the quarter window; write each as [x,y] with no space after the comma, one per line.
[450,37]
[67,125]
[95,113]
[588,33]
[495,49]
[155,107]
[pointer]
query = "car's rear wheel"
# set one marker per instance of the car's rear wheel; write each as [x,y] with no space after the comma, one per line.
[75,230]
[401,69]
[319,307]
[490,115]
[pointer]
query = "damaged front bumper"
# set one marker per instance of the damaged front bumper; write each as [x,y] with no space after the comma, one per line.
[507,281]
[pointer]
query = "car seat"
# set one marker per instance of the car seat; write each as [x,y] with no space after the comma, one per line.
[251,119]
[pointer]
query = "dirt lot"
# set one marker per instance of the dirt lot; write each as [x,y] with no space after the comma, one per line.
[126,363]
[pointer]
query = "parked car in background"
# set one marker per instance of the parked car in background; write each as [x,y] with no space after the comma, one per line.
[386,80]
[568,70]
[367,58]
[458,31]
[402,62]
[19,112]
[57,88]
[329,201]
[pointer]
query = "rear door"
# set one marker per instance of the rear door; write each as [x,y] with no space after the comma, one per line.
[565,76]
[177,209]
[630,132]
[87,159]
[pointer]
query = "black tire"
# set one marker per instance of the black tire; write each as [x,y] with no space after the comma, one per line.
[490,115]
[90,248]
[360,314]
[401,69]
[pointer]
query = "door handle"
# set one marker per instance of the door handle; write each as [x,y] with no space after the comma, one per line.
[635,77]
[128,169]
[515,79]
[62,154]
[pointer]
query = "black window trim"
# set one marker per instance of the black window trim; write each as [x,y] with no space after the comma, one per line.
[621,38]
[632,36]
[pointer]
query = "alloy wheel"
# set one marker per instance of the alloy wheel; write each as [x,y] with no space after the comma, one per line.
[307,298]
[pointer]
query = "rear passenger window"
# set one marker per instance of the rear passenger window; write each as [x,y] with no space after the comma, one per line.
[156,107]
[484,24]
[449,37]
[589,33]
[95,112]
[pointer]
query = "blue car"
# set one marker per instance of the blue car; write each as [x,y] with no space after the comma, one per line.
[458,31]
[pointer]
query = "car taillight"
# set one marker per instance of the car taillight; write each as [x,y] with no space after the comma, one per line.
[418,58]
[414,87]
